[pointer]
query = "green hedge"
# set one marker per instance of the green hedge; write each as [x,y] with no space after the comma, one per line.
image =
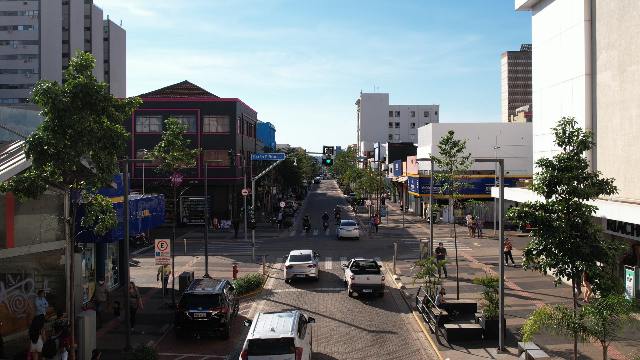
[144,352]
[249,283]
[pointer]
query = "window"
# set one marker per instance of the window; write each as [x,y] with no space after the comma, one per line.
[239,126]
[436,113]
[396,137]
[397,125]
[390,113]
[216,155]
[189,120]
[390,125]
[149,124]
[412,136]
[390,136]
[216,124]
[397,113]
[412,125]
[412,113]
[426,114]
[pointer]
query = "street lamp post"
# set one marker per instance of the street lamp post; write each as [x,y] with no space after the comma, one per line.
[430,211]
[206,218]
[500,244]
[125,240]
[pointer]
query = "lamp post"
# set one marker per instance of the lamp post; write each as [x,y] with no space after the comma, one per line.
[125,240]
[429,214]
[500,243]
[206,218]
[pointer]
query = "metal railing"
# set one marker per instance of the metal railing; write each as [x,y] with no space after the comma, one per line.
[426,305]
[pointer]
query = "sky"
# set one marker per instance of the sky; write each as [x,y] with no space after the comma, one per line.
[302,64]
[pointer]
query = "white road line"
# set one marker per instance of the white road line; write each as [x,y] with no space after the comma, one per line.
[328,263]
[316,289]
[292,233]
[189,355]
[315,232]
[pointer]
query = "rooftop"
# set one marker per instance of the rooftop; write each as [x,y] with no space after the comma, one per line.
[183,89]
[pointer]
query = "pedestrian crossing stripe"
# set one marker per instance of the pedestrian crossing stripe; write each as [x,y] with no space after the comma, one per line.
[449,245]
[328,263]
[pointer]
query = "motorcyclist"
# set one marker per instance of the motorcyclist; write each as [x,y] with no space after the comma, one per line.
[306,220]
[325,218]
[338,210]
[338,218]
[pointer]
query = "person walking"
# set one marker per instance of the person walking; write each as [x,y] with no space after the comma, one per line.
[164,272]
[376,222]
[215,223]
[134,303]
[474,226]
[236,226]
[100,297]
[441,254]
[587,281]
[37,338]
[372,222]
[95,354]
[469,218]
[507,252]
[60,352]
[480,225]
[40,305]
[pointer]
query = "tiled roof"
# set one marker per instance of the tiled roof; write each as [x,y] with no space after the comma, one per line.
[183,89]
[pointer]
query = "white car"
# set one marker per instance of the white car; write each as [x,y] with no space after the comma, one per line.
[301,264]
[348,229]
[285,335]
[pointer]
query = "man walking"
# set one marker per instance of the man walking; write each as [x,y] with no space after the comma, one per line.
[236,226]
[100,296]
[164,271]
[441,254]
[376,222]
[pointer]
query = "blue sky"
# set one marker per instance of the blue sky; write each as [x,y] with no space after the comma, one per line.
[302,64]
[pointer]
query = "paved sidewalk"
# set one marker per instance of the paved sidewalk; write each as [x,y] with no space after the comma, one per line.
[525,291]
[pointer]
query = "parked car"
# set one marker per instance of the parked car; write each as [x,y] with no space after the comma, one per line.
[284,335]
[348,229]
[290,207]
[301,264]
[316,180]
[363,276]
[207,306]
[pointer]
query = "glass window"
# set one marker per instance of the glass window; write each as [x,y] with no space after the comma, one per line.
[390,136]
[436,113]
[190,121]
[216,124]
[412,113]
[390,125]
[426,114]
[267,347]
[397,113]
[412,125]
[239,126]
[300,258]
[111,265]
[150,123]
[195,301]
[397,125]
[216,155]
[390,113]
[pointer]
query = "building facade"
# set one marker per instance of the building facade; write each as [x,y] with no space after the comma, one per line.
[267,133]
[39,37]
[516,81]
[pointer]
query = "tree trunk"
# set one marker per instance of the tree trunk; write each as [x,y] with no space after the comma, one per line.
[574,288]
[605,349]
[455,244]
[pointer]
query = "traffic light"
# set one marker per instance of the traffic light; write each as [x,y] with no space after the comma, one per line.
[328,162]
[327,150]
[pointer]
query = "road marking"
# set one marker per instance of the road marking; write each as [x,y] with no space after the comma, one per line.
[292,233]
[414,245]
[328,263]
[182,356]
[315,232]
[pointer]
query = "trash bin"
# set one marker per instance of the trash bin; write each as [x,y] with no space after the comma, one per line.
[434,217]
[184,280]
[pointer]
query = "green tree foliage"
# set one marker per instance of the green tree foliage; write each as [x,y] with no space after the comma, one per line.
[291,172]
[428,274]
[603,320]
[490,300]
[344,162]
[76,146]
[174,148]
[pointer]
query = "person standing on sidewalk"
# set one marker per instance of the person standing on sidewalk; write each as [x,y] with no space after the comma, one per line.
[480,225]
[236,226]
[469,219]
[441,254]
[372,222]
[100,296]
[507,252]
[164,271]
[134,303]
[40,305]
[376,222]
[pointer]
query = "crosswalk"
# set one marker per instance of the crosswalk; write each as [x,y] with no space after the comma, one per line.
[414,245]
[314,232]
[237,247]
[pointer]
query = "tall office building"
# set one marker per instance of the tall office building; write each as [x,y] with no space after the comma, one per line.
[516,81]
[38,37]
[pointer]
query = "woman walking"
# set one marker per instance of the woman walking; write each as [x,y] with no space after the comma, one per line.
[135,301]
[507,252]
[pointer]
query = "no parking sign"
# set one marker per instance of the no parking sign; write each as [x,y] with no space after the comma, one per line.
[163,252]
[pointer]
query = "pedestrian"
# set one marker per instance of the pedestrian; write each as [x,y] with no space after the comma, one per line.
[474,226]
[236,226]
[441,254]
[63,323]
[480,225]
[469,218]
[184,221]
[279,221]
[587,282]
[134,303]
[444,304]
[376,222]
[507,252]
[40,305]
[164,272]
[215,223]
[37,338]
[100,297]
[373,224]
[116,312]
[55,348]
[95,354]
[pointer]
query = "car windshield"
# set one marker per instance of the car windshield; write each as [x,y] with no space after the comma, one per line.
[264,347]
[204,302]
[300,258]
[348,223]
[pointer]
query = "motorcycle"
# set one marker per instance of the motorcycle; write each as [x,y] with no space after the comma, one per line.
[306,226]
[338,219]
[325,224]
[139,239]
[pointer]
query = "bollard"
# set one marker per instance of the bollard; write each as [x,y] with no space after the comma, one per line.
[395,257]
[264,266]
[420,250]
[185,246]
[235,272]
[394,264]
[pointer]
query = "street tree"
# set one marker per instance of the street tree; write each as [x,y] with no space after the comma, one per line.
[76,148]
[454,165]
[566,241]
[343,162]
[176,156]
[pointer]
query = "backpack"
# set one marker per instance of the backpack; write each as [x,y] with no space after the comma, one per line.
[50,347]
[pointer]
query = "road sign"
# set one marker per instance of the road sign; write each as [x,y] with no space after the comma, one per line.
[163,252]
[282,204]
[176,179]
[244,192]
[367,202]
[272,157]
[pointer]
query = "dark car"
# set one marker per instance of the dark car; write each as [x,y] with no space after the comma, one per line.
[207,306]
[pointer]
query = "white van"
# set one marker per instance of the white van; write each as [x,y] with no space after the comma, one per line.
[279,336]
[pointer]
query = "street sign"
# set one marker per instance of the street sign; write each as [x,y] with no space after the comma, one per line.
[163,252]
[282,204]
[367,202]
[244,192]
[272,157]
[176,179]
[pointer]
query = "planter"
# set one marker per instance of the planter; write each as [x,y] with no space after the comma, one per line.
[491,329]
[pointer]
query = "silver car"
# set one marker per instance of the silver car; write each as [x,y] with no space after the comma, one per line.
[348,228]
[301,264]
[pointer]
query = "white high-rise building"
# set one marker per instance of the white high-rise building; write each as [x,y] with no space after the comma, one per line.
[379,122]
[38,37]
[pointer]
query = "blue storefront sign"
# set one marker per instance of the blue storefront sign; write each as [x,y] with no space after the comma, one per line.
[482,184]
[397,168]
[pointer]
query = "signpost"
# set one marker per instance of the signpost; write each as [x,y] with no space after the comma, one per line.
[368,203]
[176,179]
[163,252]
[282,204]
[272,157]
[244,192]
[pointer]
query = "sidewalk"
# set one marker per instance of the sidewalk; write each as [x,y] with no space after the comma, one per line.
[525,291]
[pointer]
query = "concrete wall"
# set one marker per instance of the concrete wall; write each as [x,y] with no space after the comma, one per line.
[618,75]
[514,140]
[97,46]
[374,115]
[50,40]
[505,87]
[117,59]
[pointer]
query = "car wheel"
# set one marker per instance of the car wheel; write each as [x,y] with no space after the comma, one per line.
[381,294]
[226,333]
[317,278]
[286,281]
